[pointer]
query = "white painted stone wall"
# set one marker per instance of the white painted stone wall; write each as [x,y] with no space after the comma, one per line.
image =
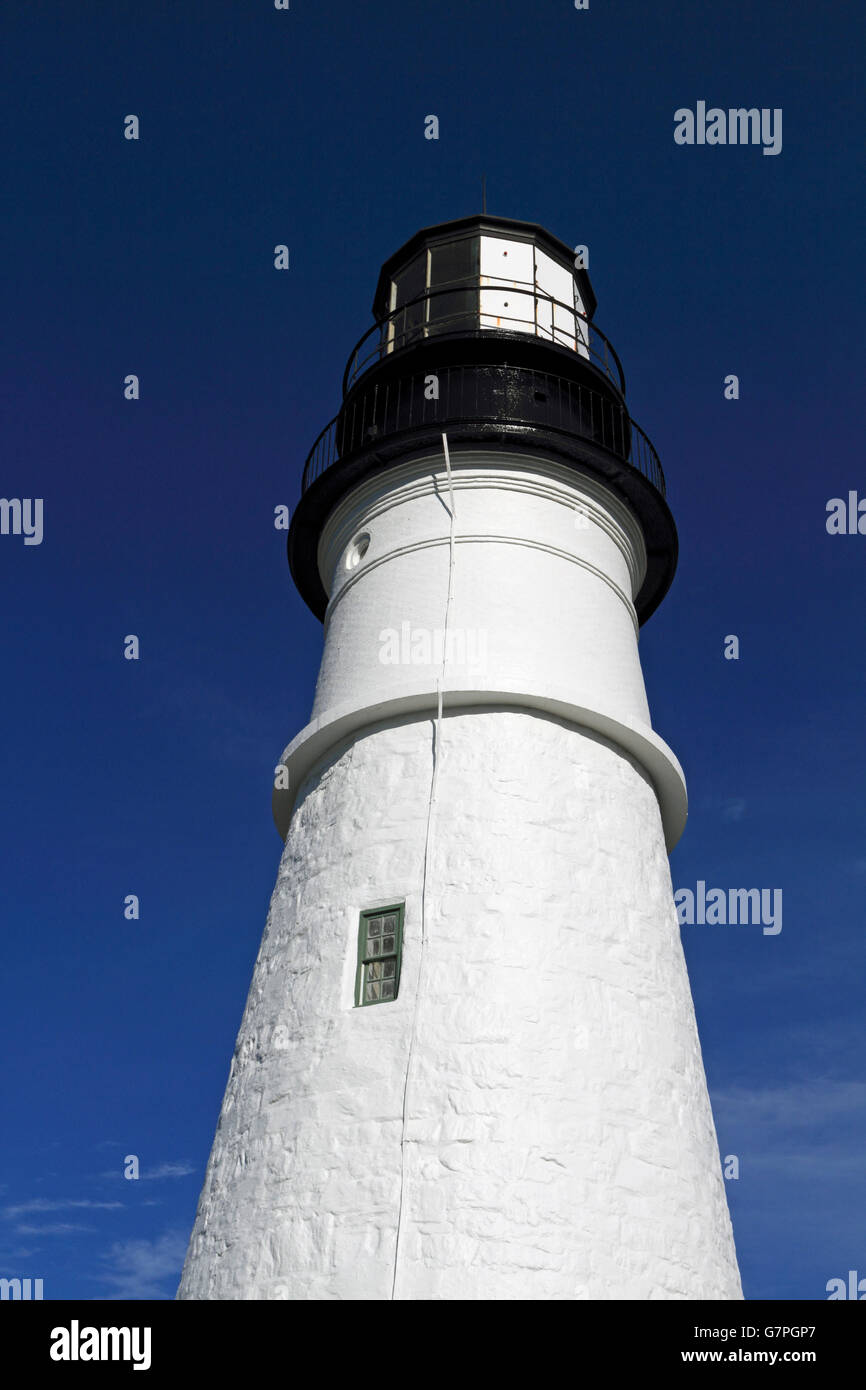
[559,1141]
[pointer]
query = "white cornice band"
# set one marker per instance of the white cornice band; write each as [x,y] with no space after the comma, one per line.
[636,740]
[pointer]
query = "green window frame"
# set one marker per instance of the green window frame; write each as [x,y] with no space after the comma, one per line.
[380,949]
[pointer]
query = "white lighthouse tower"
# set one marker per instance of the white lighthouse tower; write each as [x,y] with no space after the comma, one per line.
[468,1066]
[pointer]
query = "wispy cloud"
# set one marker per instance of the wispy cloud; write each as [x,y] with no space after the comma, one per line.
[57,1228]
[728,808]
[798,1205]
[169,1170]
[163,1170]
[56,1204]
[807,1129]
[145,1268]
[803,1104]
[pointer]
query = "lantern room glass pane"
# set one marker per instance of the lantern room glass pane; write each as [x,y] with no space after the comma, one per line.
[451,264]
[452,311]
[409,285]
[412,281]
[454,263]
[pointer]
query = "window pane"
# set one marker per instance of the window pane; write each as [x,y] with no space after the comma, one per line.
[379,955]
[453,310]
[455,261]
[411,281]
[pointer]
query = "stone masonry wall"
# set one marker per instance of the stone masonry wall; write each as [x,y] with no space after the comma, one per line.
[559,1141]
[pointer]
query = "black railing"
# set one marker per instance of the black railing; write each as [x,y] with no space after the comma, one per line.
[458,309]
[486,395]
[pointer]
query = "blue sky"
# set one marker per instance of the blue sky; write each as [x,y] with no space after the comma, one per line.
[153,777]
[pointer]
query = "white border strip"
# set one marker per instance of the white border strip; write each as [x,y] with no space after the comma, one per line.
[636,739]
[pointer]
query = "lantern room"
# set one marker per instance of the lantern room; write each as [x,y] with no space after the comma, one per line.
[484,273]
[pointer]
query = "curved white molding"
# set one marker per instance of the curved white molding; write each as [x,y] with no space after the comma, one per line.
[433,542]
[637,740]
[474,470]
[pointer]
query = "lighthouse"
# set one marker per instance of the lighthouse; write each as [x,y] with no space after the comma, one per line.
[469,1066]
